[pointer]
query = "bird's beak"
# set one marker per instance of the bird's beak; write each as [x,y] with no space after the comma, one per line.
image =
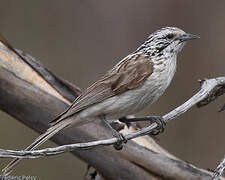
[187,37]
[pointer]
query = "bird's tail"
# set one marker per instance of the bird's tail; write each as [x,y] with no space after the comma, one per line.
[40,140]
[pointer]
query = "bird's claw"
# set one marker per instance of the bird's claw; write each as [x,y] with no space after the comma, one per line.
[161,125]
[120,140]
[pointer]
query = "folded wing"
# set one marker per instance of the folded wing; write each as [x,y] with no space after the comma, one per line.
[128,74]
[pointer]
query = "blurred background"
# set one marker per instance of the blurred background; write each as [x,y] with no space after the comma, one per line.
[80,40]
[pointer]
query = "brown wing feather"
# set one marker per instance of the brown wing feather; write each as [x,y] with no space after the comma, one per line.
[126,75]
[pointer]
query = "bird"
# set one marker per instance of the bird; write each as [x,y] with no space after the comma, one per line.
[136,81]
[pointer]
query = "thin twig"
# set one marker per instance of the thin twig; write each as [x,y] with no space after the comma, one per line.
[219,170]
[207,87]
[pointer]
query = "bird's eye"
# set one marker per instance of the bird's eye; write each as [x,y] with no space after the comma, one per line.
[170,36]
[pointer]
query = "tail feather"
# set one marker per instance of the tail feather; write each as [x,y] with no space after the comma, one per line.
[40,140]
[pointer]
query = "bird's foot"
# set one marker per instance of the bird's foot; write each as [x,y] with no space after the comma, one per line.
[161,125]
[120,140]
[126,121]
[120,137]
[157,119]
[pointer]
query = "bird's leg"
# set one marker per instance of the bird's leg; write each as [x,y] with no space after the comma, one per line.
[120,137]
[157,119]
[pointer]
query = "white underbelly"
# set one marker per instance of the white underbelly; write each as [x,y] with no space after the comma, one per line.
[129,102]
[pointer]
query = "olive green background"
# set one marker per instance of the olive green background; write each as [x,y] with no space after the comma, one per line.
[80,40]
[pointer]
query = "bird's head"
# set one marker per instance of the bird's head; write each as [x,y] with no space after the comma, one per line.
[166,42]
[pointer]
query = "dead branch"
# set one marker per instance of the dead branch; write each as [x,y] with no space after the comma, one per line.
[207,87]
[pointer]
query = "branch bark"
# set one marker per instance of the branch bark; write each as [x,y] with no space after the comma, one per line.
[33,95]
[219,170]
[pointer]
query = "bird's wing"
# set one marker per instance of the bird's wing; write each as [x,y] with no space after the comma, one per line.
[128,74]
